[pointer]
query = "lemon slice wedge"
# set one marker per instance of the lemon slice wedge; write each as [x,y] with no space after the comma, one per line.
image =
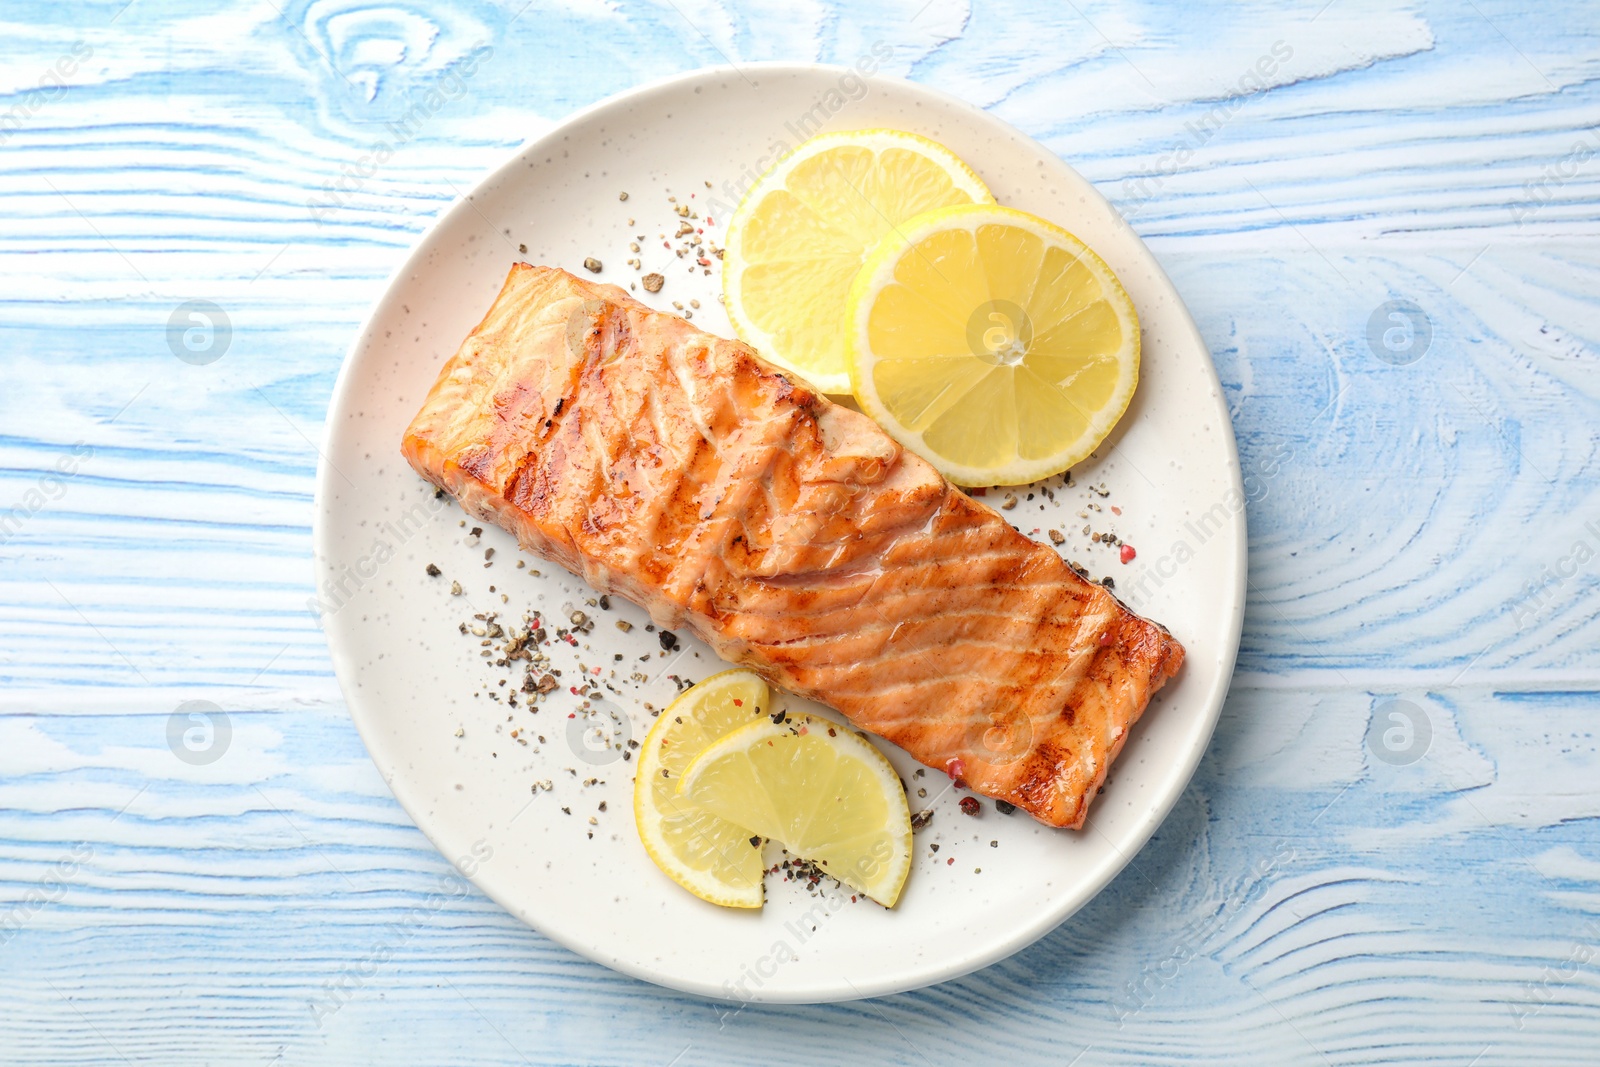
[801,233]
[992,343]
[708,856]
[817,788]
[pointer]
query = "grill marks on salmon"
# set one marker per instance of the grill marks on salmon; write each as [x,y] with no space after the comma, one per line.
[679,470]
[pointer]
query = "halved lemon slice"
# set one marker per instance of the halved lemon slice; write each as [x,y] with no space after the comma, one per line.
[708,856]
[992,343]
[817,788]
[800,235]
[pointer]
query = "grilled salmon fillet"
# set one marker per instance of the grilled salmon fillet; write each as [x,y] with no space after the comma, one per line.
[792,535]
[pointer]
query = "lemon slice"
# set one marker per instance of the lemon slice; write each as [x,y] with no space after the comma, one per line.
[819,789]
[711,858]
[992,343]
[800,234]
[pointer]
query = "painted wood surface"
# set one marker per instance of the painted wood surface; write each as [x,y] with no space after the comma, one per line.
[1384,219]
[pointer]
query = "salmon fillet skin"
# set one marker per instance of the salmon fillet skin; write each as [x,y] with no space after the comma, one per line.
[795,537]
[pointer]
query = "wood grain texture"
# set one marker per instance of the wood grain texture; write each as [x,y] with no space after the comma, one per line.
[1415,532]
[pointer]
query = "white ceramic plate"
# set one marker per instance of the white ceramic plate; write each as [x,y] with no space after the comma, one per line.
[410,676]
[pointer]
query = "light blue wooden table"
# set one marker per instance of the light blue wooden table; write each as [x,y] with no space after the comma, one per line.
[1385,221]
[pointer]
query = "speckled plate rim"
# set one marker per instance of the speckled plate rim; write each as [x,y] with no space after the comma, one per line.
[1173,783]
